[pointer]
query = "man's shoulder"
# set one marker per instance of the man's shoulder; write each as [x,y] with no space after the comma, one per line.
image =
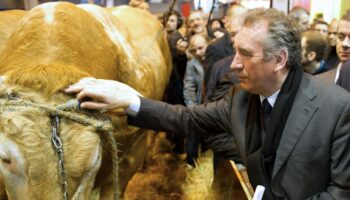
[327,77]
[194,61]
[224,61]
[222,66]
[220,43]
[328,91]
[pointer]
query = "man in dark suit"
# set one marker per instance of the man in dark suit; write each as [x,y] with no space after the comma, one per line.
[332,59]
[219,70]
[344,77]
[223,47]
[217,50]
[292,132]
[343,50]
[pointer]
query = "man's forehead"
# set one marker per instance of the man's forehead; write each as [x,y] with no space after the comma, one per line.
[321,26]
[197,41]
[250,35]
[344,26]
[173,16]
[195,15]
[258,30]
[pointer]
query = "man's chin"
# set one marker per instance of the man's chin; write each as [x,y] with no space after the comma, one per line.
[199,30]
[344,59]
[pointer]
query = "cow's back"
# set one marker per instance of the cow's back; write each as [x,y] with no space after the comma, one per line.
[148,38]
[65,45]
[8,23]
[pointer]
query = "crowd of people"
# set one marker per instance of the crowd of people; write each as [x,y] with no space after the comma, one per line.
[258,87]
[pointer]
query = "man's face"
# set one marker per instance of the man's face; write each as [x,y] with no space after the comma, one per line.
[321,28]
[343,41]
[233,28]
[332,34]
[198,46]
[304,59]
[171,24]
[304,21]
[215,24]
[307,57]
[196,22]
[255,74]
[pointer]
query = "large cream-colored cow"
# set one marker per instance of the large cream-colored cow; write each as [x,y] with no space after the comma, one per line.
[8,23]
[55,45]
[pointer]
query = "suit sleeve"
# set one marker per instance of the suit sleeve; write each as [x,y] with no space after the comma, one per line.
[339,185]
[201,119]
[224,145]
[190,86]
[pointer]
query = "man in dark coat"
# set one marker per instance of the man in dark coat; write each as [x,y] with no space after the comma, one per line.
[174,90]
[343,50]
[344,77]
[223,47]
[217,50]
[291,131]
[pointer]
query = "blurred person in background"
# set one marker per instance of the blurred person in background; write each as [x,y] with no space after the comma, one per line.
[195,24]
[223,47]
[174,91]
[342,48]
[301,16]
[321,27]
[139,4]
[332,59]
[313,48]
[193,90]
[216,23]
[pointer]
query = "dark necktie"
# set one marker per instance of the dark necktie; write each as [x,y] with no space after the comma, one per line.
[266,111]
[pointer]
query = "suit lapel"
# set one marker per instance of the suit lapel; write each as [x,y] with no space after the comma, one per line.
[303,110]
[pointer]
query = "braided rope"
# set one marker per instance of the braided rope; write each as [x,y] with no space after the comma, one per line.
[90,118]
[72,110]
[115,162]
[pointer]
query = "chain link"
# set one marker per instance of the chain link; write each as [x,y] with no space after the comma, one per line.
[57,144]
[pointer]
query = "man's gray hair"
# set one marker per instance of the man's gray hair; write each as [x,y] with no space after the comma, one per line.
[282,33]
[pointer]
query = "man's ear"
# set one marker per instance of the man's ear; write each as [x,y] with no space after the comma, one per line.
[281,60]
[311,56]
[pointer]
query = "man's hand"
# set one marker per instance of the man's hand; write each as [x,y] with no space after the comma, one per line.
[181,46]
[103,94]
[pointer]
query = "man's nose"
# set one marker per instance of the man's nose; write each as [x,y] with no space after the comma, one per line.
[346,42]
[236,63]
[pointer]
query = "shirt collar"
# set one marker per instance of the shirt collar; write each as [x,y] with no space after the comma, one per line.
[271,99]
[338,72]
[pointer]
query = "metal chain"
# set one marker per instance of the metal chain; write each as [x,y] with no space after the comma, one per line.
[57,144]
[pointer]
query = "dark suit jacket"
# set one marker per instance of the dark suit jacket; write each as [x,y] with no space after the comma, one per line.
[312,160]
[174,92]
[219,69]
[327,77]
[344,76]
[216,51]
[332,60]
